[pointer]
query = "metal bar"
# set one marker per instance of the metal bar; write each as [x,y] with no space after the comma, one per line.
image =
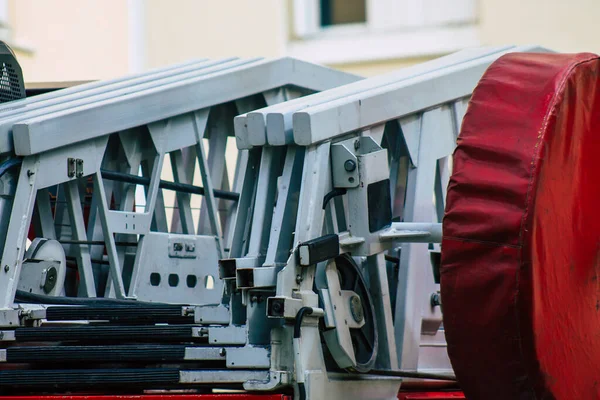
[88,86]
[241,225]
[44,210]
[116,282]
[240,174]
[257,137]
[276,121]
[380,291]
[182,165]
[211,68]
[217,376]
[94,260]
[284,213]
[413,374]
[175,186]
[96,242]
[375,106]
[153,188]
[263,203]
[10,117]
[413,232]
[158,212]
[219,124]
[125,196]
[87,287]
[316,182]
[12,256]
[94,228]
[101,118]
[415,278]
[199,127]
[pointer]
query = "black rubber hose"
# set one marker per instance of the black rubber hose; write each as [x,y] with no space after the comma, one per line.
[299,317]
[301,391]
[175,186]
[9,164]
[332,194]
[297,325]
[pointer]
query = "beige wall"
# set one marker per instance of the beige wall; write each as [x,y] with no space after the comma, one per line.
[71,39]
[563,25]
[89,39]
[184,29]
[379,67]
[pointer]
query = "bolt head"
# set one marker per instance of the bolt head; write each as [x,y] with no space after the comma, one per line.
[436,300]
[350,165]
[50,281]
[277,307]
[356,309]
[190,247]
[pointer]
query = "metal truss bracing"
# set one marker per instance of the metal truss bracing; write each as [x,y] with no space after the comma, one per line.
[84,150]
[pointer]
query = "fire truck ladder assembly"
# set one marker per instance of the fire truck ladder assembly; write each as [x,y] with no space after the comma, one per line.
[266,225]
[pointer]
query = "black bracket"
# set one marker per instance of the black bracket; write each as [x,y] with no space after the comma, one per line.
[317,250]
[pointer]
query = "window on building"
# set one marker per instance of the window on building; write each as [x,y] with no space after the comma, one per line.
[340,12]
[5,33]
[313,16]
[338,31]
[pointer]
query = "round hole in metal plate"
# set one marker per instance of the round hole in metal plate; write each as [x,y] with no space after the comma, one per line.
[155,279]
[173,280]
[191,281]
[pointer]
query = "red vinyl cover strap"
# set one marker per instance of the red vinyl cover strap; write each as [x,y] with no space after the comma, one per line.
[521,248]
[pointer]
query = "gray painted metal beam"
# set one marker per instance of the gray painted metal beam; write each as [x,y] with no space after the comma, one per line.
[11,116]
[89,86]
[372,107]
[84,122]
[273,125]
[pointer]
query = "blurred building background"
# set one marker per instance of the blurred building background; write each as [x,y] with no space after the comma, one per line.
[80,40]
[73,40]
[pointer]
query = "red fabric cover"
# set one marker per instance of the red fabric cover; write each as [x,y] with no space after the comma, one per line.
[521,246]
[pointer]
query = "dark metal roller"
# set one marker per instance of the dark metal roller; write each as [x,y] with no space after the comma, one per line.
[96,333]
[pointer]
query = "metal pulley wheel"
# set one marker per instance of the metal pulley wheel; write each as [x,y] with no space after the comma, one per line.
[520,274]
[44,268]
[349,328]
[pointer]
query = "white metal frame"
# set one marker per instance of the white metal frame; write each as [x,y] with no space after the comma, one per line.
[165,111]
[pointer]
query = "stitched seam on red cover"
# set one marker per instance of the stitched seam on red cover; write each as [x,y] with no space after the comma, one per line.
[536,153]
[497,244]
[535,157]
